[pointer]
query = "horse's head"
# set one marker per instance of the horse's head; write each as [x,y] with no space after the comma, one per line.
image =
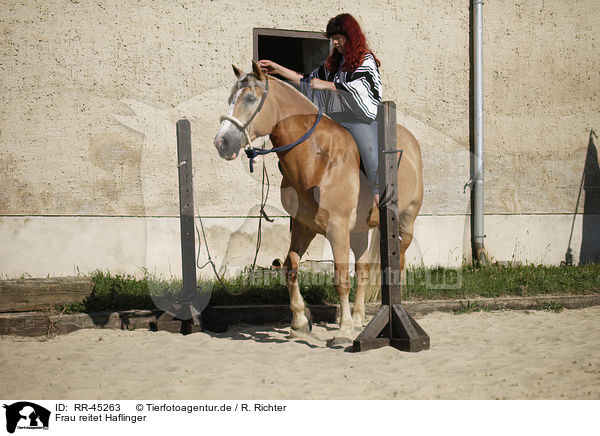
[245,118]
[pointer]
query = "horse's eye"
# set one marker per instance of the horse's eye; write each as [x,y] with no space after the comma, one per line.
[250,98]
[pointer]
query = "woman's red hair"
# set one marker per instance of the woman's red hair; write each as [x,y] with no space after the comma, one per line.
[356,44]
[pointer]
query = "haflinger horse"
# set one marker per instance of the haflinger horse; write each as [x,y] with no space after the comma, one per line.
[323,188]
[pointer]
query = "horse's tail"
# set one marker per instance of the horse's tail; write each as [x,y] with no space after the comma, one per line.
[373,288]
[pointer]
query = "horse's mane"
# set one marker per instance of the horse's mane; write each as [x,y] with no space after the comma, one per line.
[252,76]
[295,92]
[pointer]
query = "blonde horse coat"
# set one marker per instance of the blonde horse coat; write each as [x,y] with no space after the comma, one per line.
[322,189]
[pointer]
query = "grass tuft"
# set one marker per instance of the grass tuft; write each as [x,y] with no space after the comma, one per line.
[551,306]
[496,281]
[125,292]
[470,307]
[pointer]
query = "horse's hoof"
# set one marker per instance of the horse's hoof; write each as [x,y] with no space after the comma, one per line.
[308,315]
[303,330]
[303,325]
[300,333]
[338,340]
[359,322]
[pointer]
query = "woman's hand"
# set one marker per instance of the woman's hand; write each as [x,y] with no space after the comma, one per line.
[270,67]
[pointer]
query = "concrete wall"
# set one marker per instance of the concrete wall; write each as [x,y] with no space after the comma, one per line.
[91,92]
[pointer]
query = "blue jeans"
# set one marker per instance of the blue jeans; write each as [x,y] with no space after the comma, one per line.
[365,135]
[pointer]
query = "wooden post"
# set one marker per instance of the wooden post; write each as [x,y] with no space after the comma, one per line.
[392,325]
[183,316]
[186,210]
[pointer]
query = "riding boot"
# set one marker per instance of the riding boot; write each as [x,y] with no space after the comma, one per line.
[373,217]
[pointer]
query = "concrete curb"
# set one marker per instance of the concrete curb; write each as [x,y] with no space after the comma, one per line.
[420,308]
[42,324]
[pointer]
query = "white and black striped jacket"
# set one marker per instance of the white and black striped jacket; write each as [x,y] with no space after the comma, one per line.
[359,91]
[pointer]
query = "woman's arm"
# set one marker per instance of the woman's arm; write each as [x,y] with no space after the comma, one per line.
[363,92]
[324,85]
[271,67]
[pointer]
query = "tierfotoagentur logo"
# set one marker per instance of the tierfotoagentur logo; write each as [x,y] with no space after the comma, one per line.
[26,416]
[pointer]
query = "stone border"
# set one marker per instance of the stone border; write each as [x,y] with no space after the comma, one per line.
[419,308]
[42,324]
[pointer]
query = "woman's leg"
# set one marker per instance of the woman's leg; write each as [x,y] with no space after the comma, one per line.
[365,136]
[366,139]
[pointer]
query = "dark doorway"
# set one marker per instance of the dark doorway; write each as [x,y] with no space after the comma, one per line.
[296,50]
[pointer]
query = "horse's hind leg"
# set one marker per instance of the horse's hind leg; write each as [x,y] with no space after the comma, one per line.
[406,226]
[301,239]
[359,243]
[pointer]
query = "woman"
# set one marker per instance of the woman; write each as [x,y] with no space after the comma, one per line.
[348,87]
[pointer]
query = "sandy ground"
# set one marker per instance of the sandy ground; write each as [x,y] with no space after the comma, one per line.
[499,355]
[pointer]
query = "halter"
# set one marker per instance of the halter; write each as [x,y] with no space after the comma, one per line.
[244,126]
[252,152]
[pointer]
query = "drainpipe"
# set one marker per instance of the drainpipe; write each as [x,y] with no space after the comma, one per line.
[477,175]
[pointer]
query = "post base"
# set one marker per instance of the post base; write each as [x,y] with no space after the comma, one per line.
[392,326]
[185,319]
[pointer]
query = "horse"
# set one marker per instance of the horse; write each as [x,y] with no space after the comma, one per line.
[323,188]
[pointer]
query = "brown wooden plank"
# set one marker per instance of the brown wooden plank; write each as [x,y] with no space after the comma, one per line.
[388,209]
[37,323]
[407,333]
[377,324]
[24,324]
[370,344]
[100,320]
[269,313]
[369,337]
[40,294]
[420,331]
[403,327]
[410,345]
[137,319]
[186,211]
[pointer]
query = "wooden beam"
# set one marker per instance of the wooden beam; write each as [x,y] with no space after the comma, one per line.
[391,325]
[186,210]
[184,315]
[371,337]
[388,210]
[24,295]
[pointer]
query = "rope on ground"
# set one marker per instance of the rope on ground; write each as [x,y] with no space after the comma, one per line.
[262,214]
[263,202]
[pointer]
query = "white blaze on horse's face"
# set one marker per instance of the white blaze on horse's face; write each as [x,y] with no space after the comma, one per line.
[242,104]
[227,134]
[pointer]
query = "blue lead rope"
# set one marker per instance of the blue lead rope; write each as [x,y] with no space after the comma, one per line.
[252,152]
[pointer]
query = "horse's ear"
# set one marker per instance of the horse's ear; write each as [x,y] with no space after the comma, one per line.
[258,72]
[236,71]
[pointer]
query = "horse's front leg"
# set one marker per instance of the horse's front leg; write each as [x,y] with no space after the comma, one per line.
[301,239]
[339,238]
[359,243]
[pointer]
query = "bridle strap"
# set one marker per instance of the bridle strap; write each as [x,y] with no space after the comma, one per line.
[237,123]
[260,104]
[244,126]
[252,152]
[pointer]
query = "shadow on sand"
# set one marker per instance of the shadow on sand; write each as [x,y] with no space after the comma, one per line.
[280,334]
